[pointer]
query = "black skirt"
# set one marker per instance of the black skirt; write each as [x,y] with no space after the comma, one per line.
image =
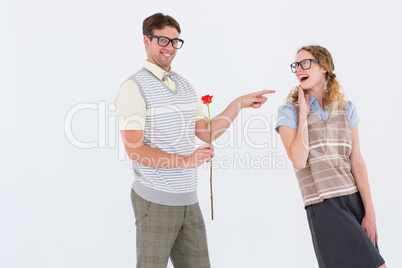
[338,238]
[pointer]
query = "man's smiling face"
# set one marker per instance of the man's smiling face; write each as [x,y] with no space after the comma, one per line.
[161,56]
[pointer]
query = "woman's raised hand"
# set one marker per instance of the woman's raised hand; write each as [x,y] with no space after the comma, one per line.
[304,107]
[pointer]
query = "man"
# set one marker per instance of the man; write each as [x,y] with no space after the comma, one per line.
[159,116]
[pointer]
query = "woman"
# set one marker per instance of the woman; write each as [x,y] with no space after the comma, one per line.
[319,131]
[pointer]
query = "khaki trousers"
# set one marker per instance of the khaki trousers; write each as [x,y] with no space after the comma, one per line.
[177,232]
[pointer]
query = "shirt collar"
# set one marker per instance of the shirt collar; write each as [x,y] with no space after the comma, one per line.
[314,105]
[155,69]
[311,100]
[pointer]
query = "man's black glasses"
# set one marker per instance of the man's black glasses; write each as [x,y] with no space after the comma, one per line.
[164,41]
[304,64]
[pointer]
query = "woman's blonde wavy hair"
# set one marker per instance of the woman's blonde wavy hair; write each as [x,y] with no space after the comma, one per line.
[333,91]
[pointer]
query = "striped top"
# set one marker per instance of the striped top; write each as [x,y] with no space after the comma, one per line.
[328,172]
[170,127]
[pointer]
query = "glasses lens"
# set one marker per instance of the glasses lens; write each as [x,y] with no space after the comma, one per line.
[162,41]
[177,43]
[305,64]
[293,67]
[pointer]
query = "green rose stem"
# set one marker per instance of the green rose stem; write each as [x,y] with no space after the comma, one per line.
[210,174]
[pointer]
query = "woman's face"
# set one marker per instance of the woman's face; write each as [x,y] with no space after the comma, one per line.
[312,78]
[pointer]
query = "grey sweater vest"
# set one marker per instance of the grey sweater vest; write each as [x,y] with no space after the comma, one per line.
[170,127]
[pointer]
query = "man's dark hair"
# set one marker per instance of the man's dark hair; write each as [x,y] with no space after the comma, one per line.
[158,21]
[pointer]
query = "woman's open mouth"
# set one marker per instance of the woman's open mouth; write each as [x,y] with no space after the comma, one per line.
[303,78]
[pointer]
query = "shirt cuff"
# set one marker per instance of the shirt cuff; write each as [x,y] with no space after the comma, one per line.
[286,117]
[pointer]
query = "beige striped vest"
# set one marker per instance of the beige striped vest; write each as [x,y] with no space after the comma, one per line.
[328,172]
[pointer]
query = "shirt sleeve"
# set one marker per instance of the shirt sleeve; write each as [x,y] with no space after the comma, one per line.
[130,107]
[352,114]
[200,111]
[287,116]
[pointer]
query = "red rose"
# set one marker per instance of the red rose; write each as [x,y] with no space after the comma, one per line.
[206,99]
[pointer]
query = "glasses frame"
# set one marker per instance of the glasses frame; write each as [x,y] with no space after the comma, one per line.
[299,64]
[170,40]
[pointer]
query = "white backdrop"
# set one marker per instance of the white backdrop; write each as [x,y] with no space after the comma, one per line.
[61,65]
